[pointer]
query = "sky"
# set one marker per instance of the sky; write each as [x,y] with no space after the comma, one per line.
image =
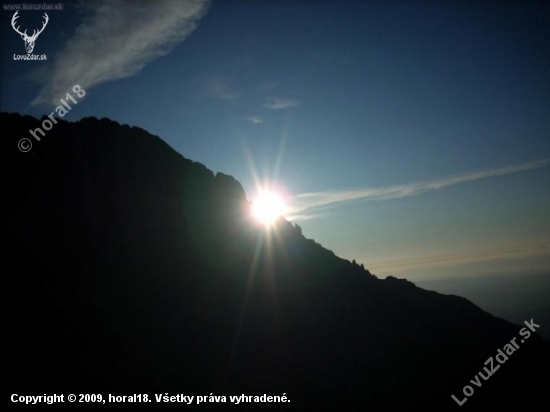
[413,137]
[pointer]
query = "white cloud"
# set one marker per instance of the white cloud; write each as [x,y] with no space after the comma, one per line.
[117,39]
[307,204]
[278,104]
[305,216]
[255,119]
[268,85]
[218,87]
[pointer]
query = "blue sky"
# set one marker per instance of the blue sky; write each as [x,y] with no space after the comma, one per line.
[414,137]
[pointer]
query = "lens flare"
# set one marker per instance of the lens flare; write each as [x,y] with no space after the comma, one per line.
[267,207]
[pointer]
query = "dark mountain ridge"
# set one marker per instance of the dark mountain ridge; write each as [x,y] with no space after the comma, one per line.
[132,269]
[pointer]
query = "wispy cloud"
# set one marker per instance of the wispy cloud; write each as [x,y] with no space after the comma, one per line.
[268,85]
[470,256]
[117,39]
[305,216]
[307,204]
[255,119]
[278,104]
[218,87]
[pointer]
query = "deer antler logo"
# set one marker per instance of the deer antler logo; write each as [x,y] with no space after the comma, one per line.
[29,40]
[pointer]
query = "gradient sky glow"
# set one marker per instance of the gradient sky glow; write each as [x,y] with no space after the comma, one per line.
[410,136]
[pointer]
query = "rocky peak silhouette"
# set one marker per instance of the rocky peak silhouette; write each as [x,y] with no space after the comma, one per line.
[133,269]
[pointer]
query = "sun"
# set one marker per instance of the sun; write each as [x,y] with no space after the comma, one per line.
[267,207]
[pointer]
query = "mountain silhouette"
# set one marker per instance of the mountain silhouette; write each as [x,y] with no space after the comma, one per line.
[131,269]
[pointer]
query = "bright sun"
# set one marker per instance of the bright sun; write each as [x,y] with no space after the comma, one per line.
[267,207]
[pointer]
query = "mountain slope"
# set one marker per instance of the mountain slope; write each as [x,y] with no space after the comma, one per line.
[132,269]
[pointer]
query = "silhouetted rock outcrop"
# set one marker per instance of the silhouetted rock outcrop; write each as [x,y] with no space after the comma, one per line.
[132,269]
